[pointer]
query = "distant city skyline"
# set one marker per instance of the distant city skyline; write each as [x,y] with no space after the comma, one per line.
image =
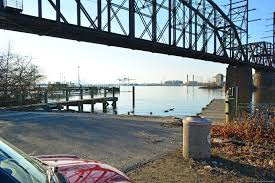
[105,64]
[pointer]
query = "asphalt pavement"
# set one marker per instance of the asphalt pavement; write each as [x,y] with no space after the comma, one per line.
[120,141]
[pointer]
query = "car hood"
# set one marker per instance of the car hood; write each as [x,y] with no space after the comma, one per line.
[76,170]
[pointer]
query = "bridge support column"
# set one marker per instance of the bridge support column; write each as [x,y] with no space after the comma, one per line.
[240,76]
[264,79]
[265,83]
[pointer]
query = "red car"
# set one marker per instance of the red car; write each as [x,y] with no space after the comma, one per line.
[18,167]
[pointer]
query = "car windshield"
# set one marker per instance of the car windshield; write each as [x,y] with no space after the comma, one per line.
[21,166]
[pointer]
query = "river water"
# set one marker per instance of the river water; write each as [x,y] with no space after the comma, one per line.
[157,100]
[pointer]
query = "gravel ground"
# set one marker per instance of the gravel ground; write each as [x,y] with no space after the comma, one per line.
[122,141]
[221,167]
[173,168]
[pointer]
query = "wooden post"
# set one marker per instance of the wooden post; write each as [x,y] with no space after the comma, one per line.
[105,92]
[59,107]
[46,97]
[92,107]
[67,98]
[92,96]
[92,92]
[81,97]
[114,101]
[80,107]
[113,91]
[67,95]
[104,107]
[114,105]
[133,97]
[81,93]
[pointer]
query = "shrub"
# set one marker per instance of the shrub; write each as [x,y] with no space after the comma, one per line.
[258,128]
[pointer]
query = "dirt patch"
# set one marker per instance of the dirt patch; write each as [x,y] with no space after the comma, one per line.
[221,167]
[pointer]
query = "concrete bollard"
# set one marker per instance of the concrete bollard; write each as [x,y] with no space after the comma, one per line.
[196,137]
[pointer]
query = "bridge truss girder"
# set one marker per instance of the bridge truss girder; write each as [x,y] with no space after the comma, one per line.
[261,53]
[189,28]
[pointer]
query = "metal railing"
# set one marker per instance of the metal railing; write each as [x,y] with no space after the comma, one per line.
[14,4]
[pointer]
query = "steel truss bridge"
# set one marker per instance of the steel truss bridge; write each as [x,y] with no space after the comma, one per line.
[197,29]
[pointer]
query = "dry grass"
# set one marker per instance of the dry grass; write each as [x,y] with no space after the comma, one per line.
[256,129]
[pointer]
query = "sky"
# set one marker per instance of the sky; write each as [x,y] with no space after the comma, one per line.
[59,59]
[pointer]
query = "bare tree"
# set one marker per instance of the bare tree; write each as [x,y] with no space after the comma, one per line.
[18,78]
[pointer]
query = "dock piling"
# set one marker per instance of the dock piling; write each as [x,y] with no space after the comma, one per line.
[92,103]
[81,98]
[92,107]
[92,92]
[81,93]
[105,92]
[46,97]
[67,98]
[113,90]
[104,106]
[80,107]
[114,105]
[133,97]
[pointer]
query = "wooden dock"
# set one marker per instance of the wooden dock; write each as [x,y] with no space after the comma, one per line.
[91,101]
[215,111]
[61,104]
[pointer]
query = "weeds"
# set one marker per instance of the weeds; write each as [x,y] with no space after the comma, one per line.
[258,129]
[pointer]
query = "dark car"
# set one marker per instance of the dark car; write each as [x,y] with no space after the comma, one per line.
[18,167]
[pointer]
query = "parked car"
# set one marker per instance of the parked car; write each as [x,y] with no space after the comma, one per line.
[18,167]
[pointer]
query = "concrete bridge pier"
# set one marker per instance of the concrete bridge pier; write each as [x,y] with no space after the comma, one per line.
[265,83]
[240,76]
[264,79]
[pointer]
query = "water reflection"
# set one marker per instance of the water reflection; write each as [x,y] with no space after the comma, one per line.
[264,96]
[261,100]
